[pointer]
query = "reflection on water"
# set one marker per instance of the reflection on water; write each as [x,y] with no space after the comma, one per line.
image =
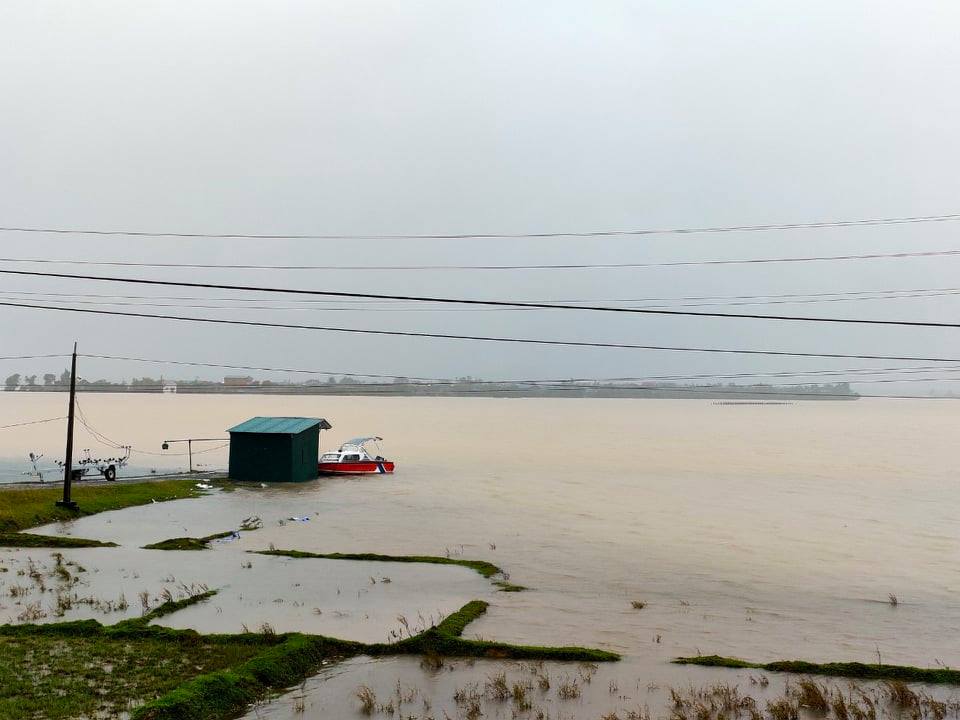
[767,532]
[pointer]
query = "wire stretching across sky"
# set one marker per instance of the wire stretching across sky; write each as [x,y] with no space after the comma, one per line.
[481,338]
[906,220]
[762,299]
[377,306]
[31,422]
[428,299]
[558,266]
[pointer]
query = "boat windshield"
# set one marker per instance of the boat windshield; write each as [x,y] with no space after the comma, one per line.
[359,441]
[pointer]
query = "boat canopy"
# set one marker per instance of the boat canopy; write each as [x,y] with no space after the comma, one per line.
[361,440]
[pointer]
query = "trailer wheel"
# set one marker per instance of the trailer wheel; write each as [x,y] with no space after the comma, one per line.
[110,474]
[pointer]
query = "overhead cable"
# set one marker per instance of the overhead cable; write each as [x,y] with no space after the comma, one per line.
[905,220]
[554,266]
[457,301]
[481,338]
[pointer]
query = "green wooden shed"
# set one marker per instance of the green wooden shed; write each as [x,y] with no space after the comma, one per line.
[276,449]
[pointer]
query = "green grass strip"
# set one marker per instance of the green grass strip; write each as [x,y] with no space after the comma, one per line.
[862,671]
[445,639]
[434,642]
[509,587]
[188,543]
[225,693]
[30,540]
[22,508]
[481,566]
[455,623]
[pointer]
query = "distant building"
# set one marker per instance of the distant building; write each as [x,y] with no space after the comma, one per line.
[238,381]
[276,449]
[170,387]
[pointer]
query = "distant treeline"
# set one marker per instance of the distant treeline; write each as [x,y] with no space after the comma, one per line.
[462,387]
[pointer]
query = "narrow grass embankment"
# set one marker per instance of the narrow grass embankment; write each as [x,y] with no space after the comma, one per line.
[486,569]
[445,639]
[188,543]
[23,508]
[203,543]
[860,671]
[29,540]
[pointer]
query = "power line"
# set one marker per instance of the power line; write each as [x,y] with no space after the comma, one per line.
[362,305]
[557,266]
[33,357]
[456,301]
[327,309]
[31,422]
[114,445]
[907,220]
[892,292]
[483,338]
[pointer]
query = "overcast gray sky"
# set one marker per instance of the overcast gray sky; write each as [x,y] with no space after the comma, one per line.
[448,117]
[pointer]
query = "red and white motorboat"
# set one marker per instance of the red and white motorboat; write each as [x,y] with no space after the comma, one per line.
[354,459]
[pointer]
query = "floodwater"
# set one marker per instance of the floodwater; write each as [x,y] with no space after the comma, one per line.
[762,531]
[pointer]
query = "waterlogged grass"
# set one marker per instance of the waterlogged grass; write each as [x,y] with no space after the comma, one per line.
[149,672]
[22,508]
[509,586]
[486,569]
[29,540]
[92,676]
[203,543]
[445,640]
[188,543]
[861,671]
[86,669]
[455,623]
[481,566]
[171,606]
[225,693]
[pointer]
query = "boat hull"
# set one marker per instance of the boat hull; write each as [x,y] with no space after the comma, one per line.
[365,467]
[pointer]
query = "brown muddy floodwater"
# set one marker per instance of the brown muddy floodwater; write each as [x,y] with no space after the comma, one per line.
[763,531]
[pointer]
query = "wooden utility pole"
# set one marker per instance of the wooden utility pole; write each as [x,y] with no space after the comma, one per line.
[68,462]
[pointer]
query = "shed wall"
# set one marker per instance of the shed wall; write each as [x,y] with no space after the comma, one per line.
[274,457]
[304,454]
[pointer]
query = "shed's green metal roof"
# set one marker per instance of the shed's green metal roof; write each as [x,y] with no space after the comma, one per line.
[279,425]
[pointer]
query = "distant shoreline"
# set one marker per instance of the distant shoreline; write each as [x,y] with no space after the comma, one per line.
[488,390]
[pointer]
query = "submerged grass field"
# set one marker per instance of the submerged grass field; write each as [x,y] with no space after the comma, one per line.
[146,672]
[85,669]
